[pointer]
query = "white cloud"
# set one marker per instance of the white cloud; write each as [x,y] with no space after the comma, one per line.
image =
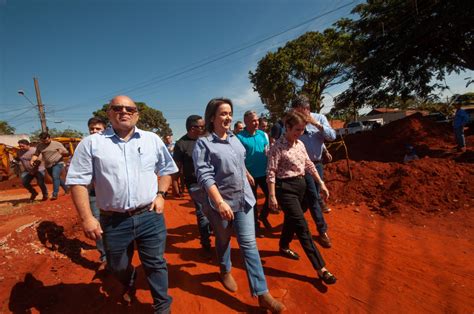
[246,98]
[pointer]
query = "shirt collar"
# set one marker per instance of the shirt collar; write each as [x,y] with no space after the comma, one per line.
[212,137]
[109,132]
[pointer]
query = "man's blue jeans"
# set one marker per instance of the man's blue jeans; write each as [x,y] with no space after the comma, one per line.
[459,135]
[148,231]
[26,178]
[196,194]
[313,197]
[55,173]
[244,227]
[99,243]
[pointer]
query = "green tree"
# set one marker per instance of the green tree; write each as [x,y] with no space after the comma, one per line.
[404,46]
[6,129]
[309,64]
[150,119]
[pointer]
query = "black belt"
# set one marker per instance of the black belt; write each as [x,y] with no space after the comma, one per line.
[128,213]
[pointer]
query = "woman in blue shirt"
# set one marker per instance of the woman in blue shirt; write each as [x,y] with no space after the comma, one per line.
[220,169]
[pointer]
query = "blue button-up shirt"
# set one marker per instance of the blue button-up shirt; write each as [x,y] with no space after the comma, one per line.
[222,162]
[313,138]
[461,118]
[125,173]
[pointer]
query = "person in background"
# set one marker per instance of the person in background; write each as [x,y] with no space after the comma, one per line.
[238,127]
[220,169]
[263,126]
[256,147]
[288,162]
[183,156]
[29,171]
[125,163]
[317,130]
[52,153]
[461,118]
[97,125]
[410,154]
[170,145]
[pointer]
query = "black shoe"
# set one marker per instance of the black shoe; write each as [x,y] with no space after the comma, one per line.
[288,253]
[324,240]
[53,198]
[129,295]
[33,196]
[266,223]
[327,278]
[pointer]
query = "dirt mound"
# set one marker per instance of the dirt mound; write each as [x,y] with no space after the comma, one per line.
[420,187]
[388,142]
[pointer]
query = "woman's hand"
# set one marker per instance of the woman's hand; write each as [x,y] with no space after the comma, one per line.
[225,211]
[273,203]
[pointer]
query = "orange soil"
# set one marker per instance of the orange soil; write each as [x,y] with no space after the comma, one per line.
[382,264]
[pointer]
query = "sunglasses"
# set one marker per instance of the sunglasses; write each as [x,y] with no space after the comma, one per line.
[200,127]
[128,109]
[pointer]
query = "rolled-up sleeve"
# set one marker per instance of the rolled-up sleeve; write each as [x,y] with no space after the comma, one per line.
[81,168]
[205,173]
[165,165]
[273,160]
[328,131]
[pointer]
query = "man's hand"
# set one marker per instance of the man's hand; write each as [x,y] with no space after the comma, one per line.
[328,155]
[251,180]
[325,191]
[92,229]
[158,204]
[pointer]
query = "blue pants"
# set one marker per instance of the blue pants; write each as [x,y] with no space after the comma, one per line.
[98,243]
[244,227]
[26,178]
[313,197]
[459,135]
[55,173]
[203,223]
[148,231]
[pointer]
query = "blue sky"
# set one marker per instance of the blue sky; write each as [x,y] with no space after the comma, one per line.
[160,52]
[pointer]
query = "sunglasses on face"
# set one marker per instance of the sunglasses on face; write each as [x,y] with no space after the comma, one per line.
[119,108]
[200,127]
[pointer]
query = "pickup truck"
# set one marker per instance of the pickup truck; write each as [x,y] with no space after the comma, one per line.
[353,128]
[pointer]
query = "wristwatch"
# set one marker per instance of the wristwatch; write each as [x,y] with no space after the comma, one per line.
[162,193]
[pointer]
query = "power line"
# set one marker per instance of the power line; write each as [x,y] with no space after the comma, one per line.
[217,57]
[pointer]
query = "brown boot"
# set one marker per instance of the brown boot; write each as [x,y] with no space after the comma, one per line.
[266,301]
[228,281]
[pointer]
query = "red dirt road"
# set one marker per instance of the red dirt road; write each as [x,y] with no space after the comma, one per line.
[382,264]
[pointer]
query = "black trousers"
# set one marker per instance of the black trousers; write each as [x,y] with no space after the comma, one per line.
[262,183]
[290,195]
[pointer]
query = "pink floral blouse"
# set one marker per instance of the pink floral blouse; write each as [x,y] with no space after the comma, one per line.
[287,160]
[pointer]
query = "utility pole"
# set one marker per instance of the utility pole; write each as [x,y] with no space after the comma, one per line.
[42,116]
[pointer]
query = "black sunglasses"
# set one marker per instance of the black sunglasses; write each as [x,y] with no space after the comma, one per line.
[128,109]
[201,127]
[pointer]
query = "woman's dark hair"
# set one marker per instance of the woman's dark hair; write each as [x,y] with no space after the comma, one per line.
[294,118]
[191,121]
[211,110]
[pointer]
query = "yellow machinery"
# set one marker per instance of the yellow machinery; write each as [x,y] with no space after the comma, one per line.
[7,153]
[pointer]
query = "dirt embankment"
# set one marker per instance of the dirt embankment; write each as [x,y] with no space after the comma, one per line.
[440,182]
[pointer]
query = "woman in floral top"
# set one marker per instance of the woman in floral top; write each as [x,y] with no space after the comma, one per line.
[287,163]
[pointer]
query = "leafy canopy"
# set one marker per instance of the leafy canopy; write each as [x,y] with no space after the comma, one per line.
[309,64]
[6,129]
[404,46]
